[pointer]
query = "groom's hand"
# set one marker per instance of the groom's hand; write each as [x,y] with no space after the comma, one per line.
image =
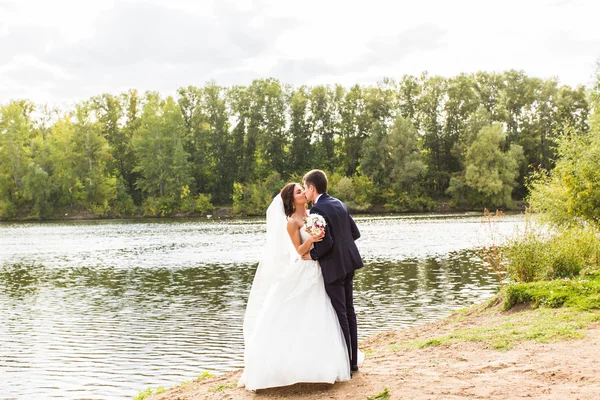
[306,256]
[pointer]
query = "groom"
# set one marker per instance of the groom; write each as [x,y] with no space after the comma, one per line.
[337,254]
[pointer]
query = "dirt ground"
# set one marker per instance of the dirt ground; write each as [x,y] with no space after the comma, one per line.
[568,369]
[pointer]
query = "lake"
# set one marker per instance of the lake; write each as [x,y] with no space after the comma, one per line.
[103,309]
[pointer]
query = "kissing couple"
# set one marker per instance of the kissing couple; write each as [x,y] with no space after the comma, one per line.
[300,324]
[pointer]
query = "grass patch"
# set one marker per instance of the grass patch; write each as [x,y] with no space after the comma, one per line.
[184,385]
[205,375]
[581,293]
[561,309]
[542,325]
[220,388]
[385,395]
[142,394]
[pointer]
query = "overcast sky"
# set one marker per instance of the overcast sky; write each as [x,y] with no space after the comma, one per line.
[65,51]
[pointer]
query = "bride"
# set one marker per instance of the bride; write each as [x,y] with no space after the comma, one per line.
[291,331]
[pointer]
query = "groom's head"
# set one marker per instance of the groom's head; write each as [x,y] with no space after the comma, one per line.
[315,183]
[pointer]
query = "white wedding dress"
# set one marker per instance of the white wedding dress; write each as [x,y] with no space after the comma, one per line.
[291,331]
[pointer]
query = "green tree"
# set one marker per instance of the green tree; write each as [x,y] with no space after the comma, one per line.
[409,93]
[488,87]
[37,188]
[323,123]
[16,132]
[491,172]
[163,162]
[219,157]
[460,104]
[238,98]
[431,124]
[407,162]
[271,135]
[570,194]
[301,154]
[196,137]
[94,155]
[354,129]
[64,157]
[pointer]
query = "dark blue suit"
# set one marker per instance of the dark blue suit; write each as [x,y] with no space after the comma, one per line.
[339,258]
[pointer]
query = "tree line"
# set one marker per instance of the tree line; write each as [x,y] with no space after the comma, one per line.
[402,145]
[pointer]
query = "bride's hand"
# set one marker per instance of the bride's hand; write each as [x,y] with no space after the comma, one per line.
[314,239]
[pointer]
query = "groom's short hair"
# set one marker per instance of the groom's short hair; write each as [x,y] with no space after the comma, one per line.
[318,179]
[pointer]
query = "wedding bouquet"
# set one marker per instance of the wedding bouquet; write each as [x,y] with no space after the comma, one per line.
[315,225]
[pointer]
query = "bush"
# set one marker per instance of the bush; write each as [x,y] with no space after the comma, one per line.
[158,206]
[254,198]
[538,256]
[7,209]
[401,201]
[123,203]
[527,257]
[357,192]
[570,194]
[203,204]
[343,189]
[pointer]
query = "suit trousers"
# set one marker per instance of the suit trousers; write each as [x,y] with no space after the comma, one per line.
[341,294]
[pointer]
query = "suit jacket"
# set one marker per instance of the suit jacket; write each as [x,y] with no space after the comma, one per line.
[337,253]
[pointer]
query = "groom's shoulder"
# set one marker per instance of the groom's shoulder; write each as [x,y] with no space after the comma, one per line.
[337,201]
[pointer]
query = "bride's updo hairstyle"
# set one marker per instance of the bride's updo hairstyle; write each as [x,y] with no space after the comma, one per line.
[287,195]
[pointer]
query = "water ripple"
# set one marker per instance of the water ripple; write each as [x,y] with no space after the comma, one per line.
[103,309]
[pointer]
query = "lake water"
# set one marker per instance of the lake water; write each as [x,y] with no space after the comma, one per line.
[103,309]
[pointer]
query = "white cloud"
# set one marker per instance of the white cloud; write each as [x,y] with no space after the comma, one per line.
[71,50]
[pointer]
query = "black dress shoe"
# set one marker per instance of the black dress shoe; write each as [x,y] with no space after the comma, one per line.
[354,368]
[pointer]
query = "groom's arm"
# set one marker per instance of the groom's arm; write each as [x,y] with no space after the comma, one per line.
[354,228]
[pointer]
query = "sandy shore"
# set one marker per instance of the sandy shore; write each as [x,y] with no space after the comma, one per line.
[563,369]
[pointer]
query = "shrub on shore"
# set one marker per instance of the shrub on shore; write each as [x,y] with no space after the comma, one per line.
[539,256]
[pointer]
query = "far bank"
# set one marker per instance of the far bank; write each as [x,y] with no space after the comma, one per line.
[229,212]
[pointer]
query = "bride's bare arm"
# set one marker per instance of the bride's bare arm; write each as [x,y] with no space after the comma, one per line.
[293,229]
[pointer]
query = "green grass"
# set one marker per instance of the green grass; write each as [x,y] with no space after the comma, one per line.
[559,309]
[542,326]
[385,395]
[220,388]
[205,375]
[581,293]
[149,392]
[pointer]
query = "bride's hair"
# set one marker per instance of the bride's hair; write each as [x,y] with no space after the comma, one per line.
[287,195]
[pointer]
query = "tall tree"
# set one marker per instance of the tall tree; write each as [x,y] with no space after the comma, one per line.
[16,132]
[217,125]
[196,140]
[92,146]
[460,104]
[431,104]
[490,171]
[238,98]
[354,129]
[323,124]
[273,139]
[65,160]
[301,152]
[163,161]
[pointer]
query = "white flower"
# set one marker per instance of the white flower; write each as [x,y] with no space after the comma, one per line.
[315,225]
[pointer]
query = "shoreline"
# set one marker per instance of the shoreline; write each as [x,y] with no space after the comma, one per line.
[469,354]
[226,213]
